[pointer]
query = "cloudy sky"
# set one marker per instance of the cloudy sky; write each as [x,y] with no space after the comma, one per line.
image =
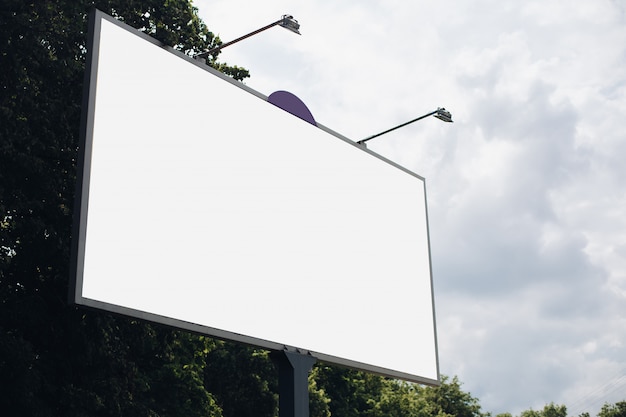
[526,192]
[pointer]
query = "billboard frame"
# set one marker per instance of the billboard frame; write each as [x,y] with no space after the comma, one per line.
[81,213]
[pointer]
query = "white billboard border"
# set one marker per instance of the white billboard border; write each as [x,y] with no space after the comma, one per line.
[82,197]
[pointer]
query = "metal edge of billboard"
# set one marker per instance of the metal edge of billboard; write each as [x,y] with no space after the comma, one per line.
[82,200]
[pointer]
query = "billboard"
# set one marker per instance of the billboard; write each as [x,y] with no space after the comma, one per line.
[203,206]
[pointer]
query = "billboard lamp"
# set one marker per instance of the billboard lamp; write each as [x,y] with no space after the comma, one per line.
[287,21]
[440,113]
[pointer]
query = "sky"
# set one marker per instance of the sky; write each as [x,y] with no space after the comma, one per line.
[526,202]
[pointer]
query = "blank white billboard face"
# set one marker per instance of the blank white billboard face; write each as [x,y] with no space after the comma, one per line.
[205,207]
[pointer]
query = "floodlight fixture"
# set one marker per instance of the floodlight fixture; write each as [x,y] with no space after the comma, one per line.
[287,21]
[441,114]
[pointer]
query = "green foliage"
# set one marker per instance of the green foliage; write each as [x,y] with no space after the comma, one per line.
[552,410]
[319,403]
[613,410]
[350,393]
[242,379]
[449,399]
[400,399]
[549,410]
[353,393]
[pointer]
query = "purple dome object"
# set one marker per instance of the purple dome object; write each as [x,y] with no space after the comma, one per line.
[292,104]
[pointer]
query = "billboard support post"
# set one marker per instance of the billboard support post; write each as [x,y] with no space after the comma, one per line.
[293,382]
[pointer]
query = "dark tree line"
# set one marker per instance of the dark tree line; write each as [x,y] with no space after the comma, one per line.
[59,360]
[56,359]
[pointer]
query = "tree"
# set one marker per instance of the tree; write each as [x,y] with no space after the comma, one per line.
[401,399]
[242,379]
[349,393]
[54,358]
[355,393]
[549,410]
[448,399]
[319,403]
[613,410]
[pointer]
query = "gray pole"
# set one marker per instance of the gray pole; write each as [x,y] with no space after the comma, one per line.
[224,45]
[293,382]
[362,141]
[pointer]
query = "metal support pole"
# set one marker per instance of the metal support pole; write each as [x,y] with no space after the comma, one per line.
[362,141]
[293,382]
[224,45]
